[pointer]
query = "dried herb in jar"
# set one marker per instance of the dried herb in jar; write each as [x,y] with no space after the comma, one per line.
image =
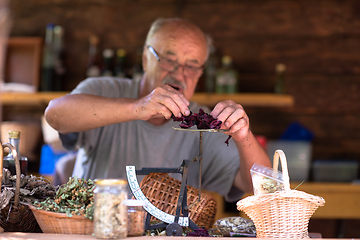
[110,211]
[136,217]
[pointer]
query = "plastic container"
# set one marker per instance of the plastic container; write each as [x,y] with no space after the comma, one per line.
[335,170]
[266,180]
[298,155]
[136,217]
[110,211]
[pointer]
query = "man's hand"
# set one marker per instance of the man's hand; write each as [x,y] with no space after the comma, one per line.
[233,117]
[163,101]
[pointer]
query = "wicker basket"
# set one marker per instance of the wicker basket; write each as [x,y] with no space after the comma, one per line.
[17,217]
[283,214]
[51,222]
[163,192]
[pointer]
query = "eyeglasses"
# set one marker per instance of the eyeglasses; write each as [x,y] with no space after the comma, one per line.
[171,66]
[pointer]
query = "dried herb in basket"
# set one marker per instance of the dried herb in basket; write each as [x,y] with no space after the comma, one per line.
[75,197]
[16,191]
[32,188]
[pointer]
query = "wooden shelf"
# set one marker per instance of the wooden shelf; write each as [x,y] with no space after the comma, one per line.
[245,99]
[29,99]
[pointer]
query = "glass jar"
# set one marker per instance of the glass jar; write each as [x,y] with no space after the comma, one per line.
[110,211]
[136,217]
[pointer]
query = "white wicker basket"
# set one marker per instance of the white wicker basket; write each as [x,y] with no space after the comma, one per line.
[283,214]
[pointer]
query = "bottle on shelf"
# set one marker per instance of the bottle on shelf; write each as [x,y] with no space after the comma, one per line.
[137,70]
[108,55]
[47,70]
[210,72]
[59,66]
[93,66]
[9,162]
[280,69]
[120,70]
[226,77]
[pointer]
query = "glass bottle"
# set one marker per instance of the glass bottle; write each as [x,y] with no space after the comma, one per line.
[59,66]
[108,55]
[226,77]
[93,66]
[120,63]
[280,78]
[110,209]
[9,162]
[137,70]
[47,70]
[210,72]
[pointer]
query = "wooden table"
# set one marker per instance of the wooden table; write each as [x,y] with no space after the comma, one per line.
[43,236]
[342,200]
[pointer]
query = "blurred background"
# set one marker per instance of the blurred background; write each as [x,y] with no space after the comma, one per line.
[306,50]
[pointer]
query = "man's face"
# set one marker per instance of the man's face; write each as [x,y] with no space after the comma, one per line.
[185,48]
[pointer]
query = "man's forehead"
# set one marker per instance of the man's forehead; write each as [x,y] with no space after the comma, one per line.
[178,42]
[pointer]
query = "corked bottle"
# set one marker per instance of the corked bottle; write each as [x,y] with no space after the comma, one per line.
[9,162]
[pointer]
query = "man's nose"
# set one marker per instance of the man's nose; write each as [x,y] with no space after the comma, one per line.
[178,73]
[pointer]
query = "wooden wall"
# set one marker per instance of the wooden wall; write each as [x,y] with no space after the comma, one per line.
[319,41]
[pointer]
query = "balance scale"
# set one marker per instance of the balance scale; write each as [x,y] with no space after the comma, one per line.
[172,223]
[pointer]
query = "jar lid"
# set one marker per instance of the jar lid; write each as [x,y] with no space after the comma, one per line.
[14,134]
[134,202]
[110,181]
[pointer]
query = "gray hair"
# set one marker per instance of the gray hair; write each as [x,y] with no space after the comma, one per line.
[160,22]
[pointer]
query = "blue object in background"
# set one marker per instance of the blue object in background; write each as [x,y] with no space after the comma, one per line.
[297,132]
[48,159]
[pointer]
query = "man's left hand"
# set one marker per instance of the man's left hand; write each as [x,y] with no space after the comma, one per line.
[233,117]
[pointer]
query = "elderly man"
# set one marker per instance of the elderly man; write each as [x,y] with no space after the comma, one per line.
[118,122]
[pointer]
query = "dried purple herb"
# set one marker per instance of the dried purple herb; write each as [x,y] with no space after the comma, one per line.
[200,232]
[227,140]
[202,120]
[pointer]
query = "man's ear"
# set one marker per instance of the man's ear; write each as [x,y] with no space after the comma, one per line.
[144,60]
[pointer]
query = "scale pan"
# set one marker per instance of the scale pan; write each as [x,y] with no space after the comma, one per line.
[200,130]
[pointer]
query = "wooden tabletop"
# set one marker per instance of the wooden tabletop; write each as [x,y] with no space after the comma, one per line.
[44,236]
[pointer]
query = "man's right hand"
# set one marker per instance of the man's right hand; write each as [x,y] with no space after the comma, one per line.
[163,101]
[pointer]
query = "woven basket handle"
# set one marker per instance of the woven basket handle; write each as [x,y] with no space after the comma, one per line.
[17,169]
[1,165]
[280,154]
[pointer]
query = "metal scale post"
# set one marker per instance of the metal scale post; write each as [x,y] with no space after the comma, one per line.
[173,224]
